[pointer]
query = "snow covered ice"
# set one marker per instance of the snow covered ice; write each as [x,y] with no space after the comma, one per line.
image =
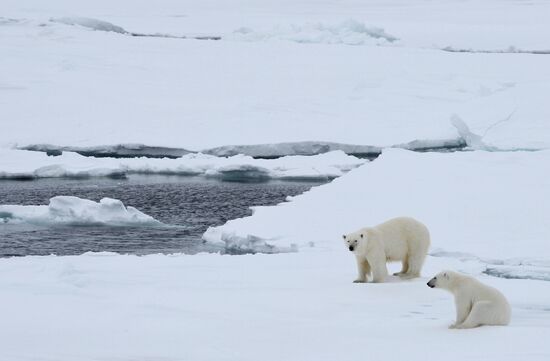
[462,197]
[311,84]
[239,92]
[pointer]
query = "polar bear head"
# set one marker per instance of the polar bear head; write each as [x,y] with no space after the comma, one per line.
[444,279]
[353,240]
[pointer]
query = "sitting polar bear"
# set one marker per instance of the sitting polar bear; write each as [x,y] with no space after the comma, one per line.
[399,239]
[476,304]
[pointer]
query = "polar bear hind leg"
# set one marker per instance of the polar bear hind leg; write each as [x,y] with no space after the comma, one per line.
[416,259]
[480,314]
[404,267]
[415,262]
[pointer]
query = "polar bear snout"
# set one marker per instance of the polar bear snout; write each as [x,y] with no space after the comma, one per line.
[431,283]
[350,242]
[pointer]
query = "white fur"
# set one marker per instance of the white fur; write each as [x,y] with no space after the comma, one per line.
[476,303]
[399,239]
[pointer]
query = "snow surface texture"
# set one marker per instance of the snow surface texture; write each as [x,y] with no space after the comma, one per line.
[297,306]
[273,90]
[67,210]
[21,164]
[462,197]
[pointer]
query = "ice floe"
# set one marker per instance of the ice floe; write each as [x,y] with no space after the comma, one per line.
[312,148]
[69,210]
[113,151]
[17,164]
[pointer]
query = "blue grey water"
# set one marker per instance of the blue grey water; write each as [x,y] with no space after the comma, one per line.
[191,204]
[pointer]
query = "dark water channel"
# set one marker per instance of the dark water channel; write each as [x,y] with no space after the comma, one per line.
[191,205]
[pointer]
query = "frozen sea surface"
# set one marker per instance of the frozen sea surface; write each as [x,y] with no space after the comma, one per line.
[187,205]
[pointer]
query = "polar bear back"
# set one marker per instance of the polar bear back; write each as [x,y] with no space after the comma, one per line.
[473,290]
[398,236]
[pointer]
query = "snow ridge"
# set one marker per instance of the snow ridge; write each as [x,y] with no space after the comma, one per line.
[350,32]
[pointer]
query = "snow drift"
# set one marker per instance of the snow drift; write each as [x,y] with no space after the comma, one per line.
[68,210]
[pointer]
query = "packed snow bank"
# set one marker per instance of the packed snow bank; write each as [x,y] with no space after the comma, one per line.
[16,164]
[67,210]
[467,199]
[350,32]
[212,307]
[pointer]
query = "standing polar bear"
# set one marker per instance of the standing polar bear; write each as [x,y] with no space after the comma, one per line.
[399,239]
[476,304]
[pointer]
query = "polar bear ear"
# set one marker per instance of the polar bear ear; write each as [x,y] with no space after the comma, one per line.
[361,235]
[344,236]
[446,275]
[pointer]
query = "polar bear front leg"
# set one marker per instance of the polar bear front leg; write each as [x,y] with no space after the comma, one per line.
[363,269]
[463,308]
[377,263]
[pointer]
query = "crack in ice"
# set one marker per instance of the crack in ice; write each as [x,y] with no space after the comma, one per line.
[510,50]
